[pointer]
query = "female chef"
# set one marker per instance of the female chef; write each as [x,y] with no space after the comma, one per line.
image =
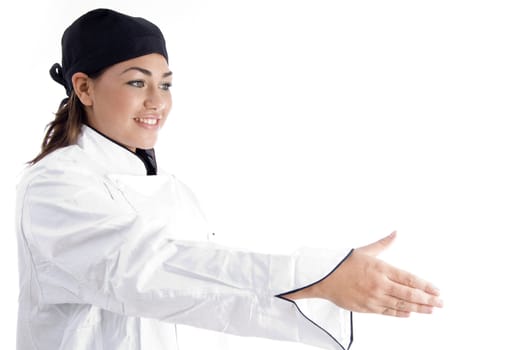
[114,253]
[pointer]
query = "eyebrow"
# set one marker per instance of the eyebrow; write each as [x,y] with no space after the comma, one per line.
[145,71]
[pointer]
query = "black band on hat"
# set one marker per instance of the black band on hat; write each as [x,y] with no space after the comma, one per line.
[101,38]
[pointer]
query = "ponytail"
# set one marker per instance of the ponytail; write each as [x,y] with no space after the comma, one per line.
[65,129]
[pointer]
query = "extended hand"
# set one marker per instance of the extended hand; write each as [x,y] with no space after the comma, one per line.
[364,283]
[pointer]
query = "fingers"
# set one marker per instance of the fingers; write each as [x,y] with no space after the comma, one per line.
[404,294]
[407,293]
[409,280]
[399,310]
[395,313]
[395,306]
[378,246]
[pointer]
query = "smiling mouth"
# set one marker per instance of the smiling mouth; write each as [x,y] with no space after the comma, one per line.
[147,121]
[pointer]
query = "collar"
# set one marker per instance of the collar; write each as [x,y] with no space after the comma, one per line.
[113,156]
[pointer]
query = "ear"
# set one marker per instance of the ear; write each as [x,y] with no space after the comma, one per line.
[82,86]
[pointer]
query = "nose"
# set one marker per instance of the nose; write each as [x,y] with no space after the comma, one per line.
[155,100]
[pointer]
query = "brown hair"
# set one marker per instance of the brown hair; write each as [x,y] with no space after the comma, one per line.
[65,129]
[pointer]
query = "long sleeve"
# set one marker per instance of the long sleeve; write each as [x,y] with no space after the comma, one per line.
[123,243]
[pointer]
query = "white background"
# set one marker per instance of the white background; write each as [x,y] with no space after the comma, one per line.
[326,123]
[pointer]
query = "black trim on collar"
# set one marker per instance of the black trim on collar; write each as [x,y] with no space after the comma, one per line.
[147,156]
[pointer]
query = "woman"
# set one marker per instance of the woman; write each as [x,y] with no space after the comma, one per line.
[114,253]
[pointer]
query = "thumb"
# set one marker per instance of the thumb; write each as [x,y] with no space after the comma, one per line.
[379,246]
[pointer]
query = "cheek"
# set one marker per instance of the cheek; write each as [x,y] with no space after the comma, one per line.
[122,105]
[168,104]
[166,110]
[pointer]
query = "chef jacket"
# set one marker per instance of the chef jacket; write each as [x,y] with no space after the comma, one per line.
[110,258]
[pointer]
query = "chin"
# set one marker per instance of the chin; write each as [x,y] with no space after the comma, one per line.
[146,145]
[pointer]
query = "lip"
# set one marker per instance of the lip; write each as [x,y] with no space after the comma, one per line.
[148,122]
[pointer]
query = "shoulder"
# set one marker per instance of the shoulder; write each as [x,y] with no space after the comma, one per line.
[62,172]
[67,160]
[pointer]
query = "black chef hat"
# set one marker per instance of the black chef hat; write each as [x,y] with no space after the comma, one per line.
[101,38]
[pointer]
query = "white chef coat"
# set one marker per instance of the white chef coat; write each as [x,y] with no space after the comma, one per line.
[110,258]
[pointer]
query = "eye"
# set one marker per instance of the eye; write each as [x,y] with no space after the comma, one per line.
[136,83]
[165,86]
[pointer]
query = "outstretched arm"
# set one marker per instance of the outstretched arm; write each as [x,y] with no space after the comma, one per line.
[364,283]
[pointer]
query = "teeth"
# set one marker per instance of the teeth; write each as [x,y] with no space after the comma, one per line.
[148,121]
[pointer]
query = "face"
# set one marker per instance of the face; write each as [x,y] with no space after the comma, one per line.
[130,101]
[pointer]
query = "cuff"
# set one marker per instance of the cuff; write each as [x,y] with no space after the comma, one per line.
[332,321]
